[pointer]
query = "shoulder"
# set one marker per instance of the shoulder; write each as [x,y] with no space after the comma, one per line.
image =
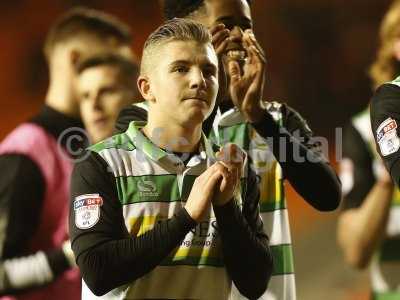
[118,141]
[385,110]
[291,118]
[387,96]
[26,135]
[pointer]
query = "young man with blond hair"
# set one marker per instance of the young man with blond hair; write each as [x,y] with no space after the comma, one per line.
[169,221]
[272,133]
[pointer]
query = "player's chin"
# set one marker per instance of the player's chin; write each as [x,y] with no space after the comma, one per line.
[196,116]
[99,134]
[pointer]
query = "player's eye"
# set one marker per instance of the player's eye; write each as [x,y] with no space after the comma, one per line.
[208,72]
[180,69]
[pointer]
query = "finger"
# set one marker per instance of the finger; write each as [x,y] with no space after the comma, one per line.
[226,181]
[220,154]
[224,164]
[231,153]
[217,27]
[219,37]
[224,184]
[251,39]
[257,54]
[220,49]
[253,69]
[203,178]
[259,68]
[253,54]
[234,71]
[237,174]
[215,168]
[222,167]
[213,181]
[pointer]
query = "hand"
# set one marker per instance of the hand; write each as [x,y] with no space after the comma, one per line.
[231,157]
[382,174]
[246,89]
[220,40]
[202,191]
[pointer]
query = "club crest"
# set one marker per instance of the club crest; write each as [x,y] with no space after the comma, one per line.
[387,137]
[87,210]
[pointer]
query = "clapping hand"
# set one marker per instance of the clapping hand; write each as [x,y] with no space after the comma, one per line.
[246,88]
[232,158]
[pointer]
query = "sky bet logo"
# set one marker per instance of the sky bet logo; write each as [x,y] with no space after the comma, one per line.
[86,200]
[387,126]
[87,210]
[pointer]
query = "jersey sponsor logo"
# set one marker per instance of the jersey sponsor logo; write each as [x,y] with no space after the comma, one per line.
[87,210]
[387,137]
[147,188]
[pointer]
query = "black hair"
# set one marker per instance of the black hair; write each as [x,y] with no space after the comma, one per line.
[183,8]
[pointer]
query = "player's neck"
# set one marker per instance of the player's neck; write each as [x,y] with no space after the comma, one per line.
[173,137]
[60,97]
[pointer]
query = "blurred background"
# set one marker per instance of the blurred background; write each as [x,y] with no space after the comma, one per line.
[318,55]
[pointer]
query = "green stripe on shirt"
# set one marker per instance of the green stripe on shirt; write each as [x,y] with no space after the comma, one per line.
[148,188]
[283,259]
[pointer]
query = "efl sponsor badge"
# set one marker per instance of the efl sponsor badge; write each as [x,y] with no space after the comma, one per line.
[87,210]
[387,138]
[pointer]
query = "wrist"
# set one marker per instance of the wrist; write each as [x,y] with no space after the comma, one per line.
[254,114]
[221,203]
[69,255]
[193,213]
[388,184]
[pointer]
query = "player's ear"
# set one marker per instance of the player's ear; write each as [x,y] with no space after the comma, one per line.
[144,86]
[74,56]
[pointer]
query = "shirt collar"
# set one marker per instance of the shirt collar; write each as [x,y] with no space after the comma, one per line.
[142,143]
[230,117]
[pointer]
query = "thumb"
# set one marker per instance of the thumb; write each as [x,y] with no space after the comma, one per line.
[234,71]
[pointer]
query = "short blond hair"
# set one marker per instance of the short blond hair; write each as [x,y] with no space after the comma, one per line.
[176,29]
[386,67]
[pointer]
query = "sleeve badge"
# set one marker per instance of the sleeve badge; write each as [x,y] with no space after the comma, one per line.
[387,138]
[87,210]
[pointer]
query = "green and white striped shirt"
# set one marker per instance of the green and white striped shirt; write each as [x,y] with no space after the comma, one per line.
[153,185]
[231,127]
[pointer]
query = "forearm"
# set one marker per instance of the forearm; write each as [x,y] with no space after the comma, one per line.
[305,168]
[117,262]
[31,271]
[246,253]
[360,230]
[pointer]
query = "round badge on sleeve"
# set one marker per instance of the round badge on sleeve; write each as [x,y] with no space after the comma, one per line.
[87,210]
[387,138]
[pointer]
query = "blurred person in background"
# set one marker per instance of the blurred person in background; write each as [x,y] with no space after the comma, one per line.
[368,228]
[106,84]
[36,163]
[244,118]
